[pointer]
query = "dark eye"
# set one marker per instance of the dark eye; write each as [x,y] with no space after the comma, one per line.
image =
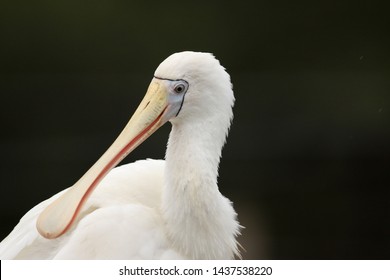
[180,88]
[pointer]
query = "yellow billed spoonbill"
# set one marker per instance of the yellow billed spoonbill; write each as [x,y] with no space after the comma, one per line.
[149,209]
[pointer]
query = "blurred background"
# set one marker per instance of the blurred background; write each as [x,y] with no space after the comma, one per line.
[307,159]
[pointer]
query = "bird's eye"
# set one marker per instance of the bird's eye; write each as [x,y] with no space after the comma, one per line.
[180,88]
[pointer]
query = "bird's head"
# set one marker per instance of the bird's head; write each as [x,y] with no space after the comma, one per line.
[196,85]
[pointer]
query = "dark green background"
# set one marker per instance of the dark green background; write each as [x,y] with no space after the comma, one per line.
[307,159]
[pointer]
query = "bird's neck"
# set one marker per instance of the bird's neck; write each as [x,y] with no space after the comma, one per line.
[201,223]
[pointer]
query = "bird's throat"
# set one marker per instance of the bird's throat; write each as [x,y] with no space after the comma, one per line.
[193,208]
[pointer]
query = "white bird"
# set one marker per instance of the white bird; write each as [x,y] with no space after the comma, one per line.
[149,209]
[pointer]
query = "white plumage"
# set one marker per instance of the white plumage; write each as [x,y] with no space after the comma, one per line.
[149,209]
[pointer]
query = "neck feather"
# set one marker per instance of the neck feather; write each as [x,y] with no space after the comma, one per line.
[200,221]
